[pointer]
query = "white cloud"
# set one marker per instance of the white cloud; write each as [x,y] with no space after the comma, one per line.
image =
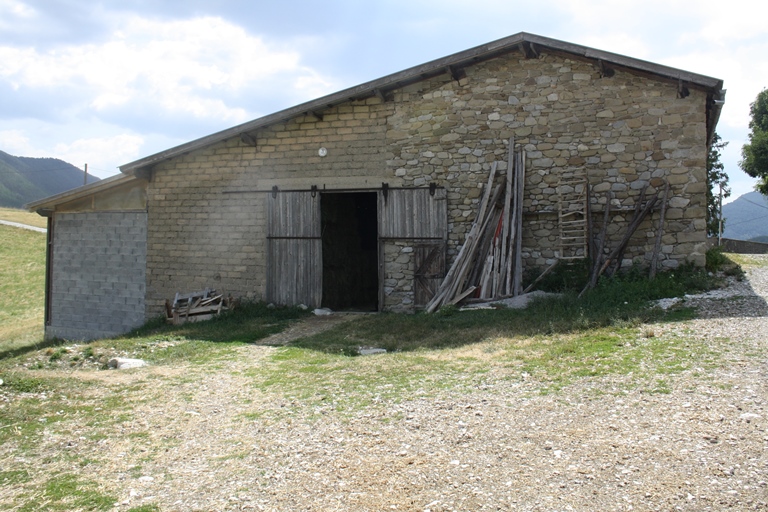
[13,8]
[97,152]
[102,154]
[173,65]
[14,142]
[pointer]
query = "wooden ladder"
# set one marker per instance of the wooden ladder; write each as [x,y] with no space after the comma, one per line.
[573,209]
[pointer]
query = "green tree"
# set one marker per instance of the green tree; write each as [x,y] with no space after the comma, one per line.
[716,178]
[754,154]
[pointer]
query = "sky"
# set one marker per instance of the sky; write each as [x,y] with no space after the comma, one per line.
[105,83]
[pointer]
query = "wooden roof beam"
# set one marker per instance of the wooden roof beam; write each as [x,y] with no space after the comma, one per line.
[605,71]
[248,139]
[314,114]
[456,72]
[528,49]
[379,93]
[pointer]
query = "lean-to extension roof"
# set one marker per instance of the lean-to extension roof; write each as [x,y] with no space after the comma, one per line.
[529,45]
[46,205]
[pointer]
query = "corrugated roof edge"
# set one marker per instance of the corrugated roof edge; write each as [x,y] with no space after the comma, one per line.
[439,66]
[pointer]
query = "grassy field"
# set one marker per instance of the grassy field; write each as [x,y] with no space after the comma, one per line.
[22,287]
[56,393]
[23,217]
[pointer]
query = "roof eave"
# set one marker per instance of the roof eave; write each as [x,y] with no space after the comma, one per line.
[416,73]
[49,203]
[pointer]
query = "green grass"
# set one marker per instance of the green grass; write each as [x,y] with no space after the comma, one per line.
[22,287]
[23,217]
[610,337]
[68,492]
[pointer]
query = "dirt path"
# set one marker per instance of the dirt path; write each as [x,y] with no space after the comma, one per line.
[22,226]
[312,325]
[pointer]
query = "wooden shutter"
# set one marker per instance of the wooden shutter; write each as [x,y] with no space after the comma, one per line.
[418,215]
[294,249]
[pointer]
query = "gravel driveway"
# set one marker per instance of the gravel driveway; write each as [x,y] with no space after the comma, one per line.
[597,444]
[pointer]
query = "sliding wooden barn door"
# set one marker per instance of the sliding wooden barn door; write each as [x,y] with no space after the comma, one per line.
[294,249]
[418,218]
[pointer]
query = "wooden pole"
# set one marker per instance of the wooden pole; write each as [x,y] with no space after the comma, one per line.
[510,230]
[659,233]
[517,281]
[600,246]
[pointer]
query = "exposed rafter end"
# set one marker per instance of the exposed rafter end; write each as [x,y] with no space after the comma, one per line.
[248,139]
[529,50]
[312,114]
[145,173]
[682,90]
[379,93]
[456,73]
[605,71]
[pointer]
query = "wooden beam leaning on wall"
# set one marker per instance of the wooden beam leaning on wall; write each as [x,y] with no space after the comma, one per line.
[491,257]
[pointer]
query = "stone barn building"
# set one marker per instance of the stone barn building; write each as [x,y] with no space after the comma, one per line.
[359,199]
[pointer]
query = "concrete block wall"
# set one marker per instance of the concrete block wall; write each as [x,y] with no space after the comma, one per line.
[201,234]
[99,280]
[207,209]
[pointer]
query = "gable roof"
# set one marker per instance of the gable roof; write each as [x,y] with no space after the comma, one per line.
[529,44]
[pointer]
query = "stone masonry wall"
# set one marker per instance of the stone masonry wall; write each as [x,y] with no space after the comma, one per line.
[627,131]
[207,213]
[98,283]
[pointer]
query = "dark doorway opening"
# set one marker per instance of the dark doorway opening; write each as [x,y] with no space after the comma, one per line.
[350,251]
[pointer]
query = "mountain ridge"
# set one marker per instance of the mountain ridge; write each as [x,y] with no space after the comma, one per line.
[26,179]
[746,217]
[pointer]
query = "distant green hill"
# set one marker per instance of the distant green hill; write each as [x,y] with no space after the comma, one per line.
[24,179]
[746,217]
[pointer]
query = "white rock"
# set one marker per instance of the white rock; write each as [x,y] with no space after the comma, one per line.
[125,363]
[370,351]
[322,312]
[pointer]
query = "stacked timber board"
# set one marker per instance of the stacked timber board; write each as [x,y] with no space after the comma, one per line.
[196,306]
[489,264]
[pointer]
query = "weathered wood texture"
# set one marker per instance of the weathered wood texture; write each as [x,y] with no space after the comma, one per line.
[419,218]
[429,260]
[294,258]
[413,213]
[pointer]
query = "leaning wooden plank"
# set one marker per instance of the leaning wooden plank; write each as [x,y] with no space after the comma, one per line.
[484,246]
[638,212]
[457,267]
[600,247]
[659,234]
[590,239]
[506,255]
[619,250]
[444,287]
[517,279]
[541,276]
[203,310]
[463,295]
[458,284]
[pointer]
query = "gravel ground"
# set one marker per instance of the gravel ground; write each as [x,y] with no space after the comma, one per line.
[597,444]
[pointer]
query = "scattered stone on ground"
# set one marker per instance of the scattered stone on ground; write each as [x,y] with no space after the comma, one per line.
[125,363]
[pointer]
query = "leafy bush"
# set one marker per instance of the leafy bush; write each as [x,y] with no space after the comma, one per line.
[716,258]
